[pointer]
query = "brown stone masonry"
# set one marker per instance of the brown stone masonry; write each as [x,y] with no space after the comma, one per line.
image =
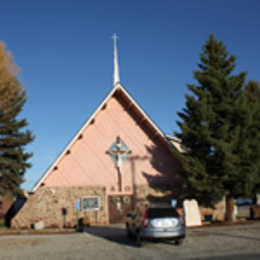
[5,204]
[164,193]
[47,205]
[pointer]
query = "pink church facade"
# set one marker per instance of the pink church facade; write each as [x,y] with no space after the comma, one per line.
[87,163]
[85,169]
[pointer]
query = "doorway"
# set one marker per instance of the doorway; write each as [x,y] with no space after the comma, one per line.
[119,207]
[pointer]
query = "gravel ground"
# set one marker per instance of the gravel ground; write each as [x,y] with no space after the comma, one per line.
[229,242]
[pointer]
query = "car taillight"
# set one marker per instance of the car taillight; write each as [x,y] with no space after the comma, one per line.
[182,223]
[145,222]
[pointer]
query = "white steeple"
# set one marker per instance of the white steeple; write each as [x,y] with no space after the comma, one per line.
[116,68]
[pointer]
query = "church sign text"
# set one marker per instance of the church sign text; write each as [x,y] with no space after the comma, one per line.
[90,203]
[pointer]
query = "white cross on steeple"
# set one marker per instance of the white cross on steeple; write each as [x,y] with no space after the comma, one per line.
[116,68]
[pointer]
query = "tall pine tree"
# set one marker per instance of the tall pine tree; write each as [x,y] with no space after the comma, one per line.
[252,135]
[212,127]
[13,157]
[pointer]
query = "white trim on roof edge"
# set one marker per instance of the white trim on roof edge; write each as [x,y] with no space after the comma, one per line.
[117,87]
[171,137]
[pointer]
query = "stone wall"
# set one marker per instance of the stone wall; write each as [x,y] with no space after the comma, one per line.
[163,194]
[5,204]
[46,205]
[218,213]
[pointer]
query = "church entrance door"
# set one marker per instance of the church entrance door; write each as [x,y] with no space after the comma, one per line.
[119,207]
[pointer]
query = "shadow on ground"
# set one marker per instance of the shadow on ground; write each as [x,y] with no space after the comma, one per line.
[117,234]
[114,233]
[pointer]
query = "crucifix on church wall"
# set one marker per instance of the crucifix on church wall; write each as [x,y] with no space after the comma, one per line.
[119,152]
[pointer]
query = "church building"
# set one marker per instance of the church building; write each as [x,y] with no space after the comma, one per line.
[118,158]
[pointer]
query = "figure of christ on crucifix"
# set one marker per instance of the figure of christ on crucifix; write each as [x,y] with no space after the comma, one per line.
[119,155]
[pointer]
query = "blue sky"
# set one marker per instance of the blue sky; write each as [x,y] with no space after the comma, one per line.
[65,51]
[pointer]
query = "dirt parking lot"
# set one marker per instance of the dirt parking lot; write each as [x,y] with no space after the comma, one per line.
[230,242]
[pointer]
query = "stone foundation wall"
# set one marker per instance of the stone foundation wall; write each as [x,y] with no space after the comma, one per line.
[46,205]
[160,194]
[164,194]
[218,213]
[5,204]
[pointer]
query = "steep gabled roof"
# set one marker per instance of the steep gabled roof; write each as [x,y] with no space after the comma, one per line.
[118,89]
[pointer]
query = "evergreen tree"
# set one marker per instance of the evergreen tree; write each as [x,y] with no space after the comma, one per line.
[252,135]
[13,157]
[212,126]
[252,91]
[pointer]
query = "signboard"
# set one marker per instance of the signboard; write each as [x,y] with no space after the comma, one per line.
[90,203]
[77,205]
[174,203]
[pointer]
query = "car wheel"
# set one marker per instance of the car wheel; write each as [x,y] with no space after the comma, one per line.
[179,242]
[139,240]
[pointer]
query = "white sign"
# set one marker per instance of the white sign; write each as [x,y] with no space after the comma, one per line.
[191,213]
[90,203]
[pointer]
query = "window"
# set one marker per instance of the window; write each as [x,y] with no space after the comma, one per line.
[162,212]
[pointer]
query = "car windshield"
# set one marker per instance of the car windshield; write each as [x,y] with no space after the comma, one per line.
[162,213]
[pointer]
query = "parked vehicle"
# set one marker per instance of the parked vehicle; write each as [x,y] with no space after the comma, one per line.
[243,201]
[156,223]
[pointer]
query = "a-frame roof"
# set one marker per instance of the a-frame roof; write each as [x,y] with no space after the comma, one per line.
[118,89]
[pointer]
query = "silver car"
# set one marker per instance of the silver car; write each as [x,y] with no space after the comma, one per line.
[156,223]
